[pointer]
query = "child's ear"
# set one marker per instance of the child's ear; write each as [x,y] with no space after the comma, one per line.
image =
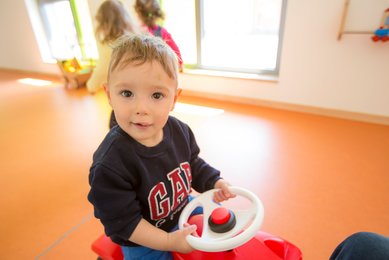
[177,94]
[106,89]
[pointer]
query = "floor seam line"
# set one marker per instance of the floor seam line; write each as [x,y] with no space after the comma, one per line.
[85,219]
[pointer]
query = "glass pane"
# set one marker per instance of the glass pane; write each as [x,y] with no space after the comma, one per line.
[180,21]
[242,35]
[60,29]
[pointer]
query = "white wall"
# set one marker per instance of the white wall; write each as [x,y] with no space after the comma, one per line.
[316,69]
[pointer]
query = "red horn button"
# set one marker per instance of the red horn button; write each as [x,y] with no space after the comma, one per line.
[221,220]
[220,216]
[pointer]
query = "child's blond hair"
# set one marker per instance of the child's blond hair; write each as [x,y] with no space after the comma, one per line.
[113,20]
[138,49]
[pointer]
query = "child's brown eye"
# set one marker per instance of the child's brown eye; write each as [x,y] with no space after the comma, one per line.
[157,95]
[126,93]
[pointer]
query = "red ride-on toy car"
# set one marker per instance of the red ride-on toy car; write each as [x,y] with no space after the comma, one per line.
[223,233]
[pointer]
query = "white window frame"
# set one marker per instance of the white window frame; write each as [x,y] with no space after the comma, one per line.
[199,5]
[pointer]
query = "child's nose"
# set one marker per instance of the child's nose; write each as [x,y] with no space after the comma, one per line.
[141,107]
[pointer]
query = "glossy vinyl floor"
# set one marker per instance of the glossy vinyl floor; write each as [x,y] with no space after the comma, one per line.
[320,179]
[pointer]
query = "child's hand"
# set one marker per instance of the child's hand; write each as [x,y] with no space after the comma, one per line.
[224,193]
[177,239]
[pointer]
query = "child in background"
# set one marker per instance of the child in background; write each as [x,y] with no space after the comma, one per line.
[149,12]
[145,168]
[113,21]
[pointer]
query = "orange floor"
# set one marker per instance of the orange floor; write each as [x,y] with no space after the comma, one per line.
[319,178]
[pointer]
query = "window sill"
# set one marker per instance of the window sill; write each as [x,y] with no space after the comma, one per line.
[229,74]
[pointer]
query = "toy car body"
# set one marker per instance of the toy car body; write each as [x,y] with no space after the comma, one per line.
[262,245]
[241,240]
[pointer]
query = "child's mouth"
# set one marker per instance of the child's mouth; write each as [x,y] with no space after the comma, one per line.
[142,125]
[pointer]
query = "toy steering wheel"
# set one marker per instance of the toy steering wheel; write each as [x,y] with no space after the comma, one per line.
[239,234]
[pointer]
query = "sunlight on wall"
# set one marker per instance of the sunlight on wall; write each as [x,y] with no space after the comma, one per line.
[37,26]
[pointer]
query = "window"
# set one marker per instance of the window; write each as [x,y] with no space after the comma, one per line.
[230,35]
[68,30]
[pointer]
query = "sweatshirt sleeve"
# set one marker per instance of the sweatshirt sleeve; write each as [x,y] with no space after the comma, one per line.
[100,72]
[204,175]
[114,201]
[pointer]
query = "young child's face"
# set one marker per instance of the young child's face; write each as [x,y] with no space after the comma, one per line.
[142,97]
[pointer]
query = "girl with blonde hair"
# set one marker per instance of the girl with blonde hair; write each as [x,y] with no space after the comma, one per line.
[113,21]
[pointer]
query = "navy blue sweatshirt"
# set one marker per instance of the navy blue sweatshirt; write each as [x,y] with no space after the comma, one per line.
[130,181]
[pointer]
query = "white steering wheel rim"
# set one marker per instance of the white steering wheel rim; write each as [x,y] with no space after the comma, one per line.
[213,242]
